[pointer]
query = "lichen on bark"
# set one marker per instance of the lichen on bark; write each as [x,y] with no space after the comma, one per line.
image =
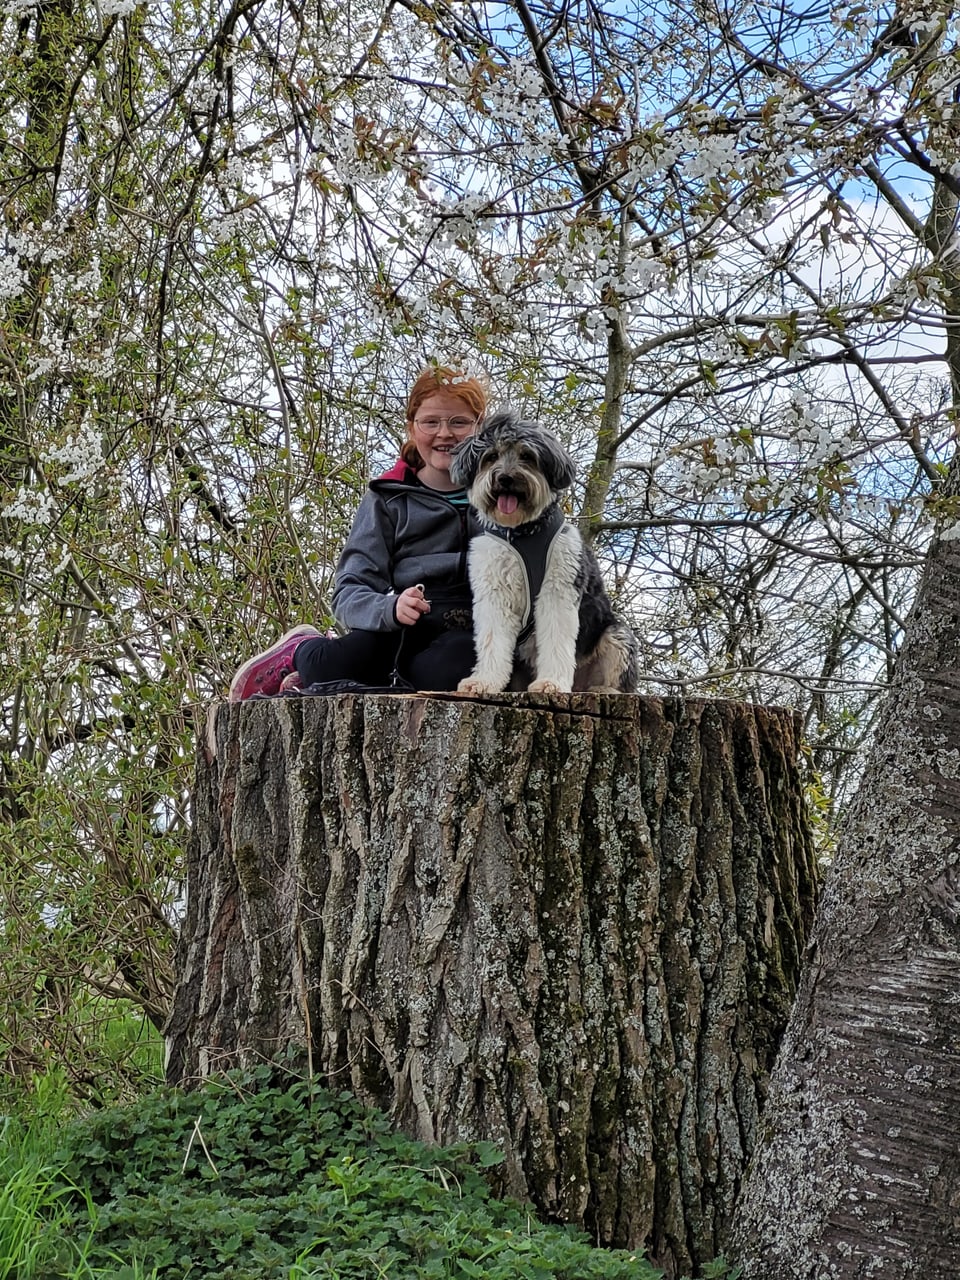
[857,1167]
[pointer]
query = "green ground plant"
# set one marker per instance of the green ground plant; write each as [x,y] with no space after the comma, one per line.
[34,1213]
[259,1176]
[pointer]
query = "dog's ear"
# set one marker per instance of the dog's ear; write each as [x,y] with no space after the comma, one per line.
[558,466]
[465,460]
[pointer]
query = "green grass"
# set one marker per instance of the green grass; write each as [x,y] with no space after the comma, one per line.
[260,1177]
[33,1198]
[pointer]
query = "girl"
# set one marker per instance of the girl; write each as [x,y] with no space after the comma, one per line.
[401,582]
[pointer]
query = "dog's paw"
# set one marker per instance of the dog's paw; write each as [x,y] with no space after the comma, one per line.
[545,686]
[477,688]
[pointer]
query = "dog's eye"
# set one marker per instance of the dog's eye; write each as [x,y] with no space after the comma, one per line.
[527,457]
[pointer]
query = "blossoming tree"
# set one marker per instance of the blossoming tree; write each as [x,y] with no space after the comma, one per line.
[712,246]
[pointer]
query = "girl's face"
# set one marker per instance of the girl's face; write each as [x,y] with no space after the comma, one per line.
[440,423]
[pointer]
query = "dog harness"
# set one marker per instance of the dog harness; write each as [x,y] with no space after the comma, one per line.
[531,544]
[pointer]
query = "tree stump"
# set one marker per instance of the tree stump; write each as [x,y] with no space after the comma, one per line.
[570,926]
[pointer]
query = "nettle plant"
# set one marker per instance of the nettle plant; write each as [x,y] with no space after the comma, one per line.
[713,250]
[256,1175]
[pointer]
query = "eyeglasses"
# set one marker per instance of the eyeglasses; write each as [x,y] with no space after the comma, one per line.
[430,426]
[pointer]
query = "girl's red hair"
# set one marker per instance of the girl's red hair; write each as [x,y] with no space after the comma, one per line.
[440,378]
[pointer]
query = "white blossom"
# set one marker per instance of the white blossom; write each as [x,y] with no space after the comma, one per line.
[12,278]
[234,171]
[925,25]
[811,437]
[713,156]
[32,506]
[80,454]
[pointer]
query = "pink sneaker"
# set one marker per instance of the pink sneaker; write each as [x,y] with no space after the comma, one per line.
[293,682]
[265,672]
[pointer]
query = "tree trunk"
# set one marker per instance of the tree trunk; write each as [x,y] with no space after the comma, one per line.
[858,1172]
[571,927]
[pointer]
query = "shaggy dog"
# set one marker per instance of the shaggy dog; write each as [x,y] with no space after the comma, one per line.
[542,620]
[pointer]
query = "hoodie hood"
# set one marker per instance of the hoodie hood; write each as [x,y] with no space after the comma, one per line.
[400,473]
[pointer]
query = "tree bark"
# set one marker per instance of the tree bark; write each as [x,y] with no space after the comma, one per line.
[858,1170]
[569,926]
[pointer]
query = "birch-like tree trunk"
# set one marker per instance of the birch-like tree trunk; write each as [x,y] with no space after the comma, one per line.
[858,1171]
[571,927]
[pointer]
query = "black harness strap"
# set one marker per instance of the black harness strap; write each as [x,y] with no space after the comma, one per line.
[532,543]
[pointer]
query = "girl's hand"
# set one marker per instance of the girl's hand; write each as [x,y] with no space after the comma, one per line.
[410,605]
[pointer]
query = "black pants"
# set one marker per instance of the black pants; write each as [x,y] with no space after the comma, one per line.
[428,657]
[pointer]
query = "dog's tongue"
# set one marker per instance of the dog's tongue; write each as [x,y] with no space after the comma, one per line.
[507,503]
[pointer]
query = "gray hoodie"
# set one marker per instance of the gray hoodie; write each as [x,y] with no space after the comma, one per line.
[403,533]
